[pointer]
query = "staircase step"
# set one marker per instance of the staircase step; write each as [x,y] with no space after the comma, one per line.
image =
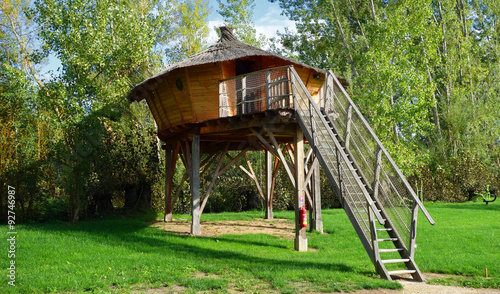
[387,239]
[384,229]
[402,272]
[375,220]
[390,250]
[395,260]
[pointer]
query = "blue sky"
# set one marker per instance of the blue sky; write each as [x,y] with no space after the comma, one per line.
[267,18]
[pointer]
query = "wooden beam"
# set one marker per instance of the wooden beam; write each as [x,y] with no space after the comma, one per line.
[300,232]
[310,172]
[317,223]
[269,185]
[282,158]
[376,176]
[264,142]
[170,160]
[413,230]
[195,185]
[233,160]
[215,176]
[254,176]
[348,126]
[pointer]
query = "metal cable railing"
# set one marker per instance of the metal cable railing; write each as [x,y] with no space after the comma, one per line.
[255,92]
[377,178]
[389,187]
[316,129]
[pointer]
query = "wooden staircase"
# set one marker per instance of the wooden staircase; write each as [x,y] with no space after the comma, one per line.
[377,198]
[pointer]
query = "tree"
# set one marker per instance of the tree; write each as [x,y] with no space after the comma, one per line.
[190,30]
[384,49]
[422,72]
[104,48]
[238,14]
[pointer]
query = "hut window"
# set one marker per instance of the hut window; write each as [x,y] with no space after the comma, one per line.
[179,84]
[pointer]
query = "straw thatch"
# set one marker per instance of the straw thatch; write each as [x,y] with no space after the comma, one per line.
[227,48]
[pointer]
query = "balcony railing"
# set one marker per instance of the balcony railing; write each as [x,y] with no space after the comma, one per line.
[255,92]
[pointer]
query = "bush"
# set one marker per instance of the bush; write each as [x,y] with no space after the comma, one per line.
[458,180]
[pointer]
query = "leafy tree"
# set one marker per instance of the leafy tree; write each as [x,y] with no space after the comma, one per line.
[238,14]
[422,72]
[117,46]
[190,30]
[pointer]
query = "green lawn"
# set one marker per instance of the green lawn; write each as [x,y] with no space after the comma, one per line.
[121,255]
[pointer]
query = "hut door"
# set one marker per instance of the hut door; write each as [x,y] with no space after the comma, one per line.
[242,67]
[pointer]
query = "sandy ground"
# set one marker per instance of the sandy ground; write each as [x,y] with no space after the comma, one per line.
[285,229]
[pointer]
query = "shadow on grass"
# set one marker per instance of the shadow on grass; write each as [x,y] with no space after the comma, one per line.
[138,236]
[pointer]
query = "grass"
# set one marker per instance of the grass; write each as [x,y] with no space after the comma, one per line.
[121,255]
[464,241]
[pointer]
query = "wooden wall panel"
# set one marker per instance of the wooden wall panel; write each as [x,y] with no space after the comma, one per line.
[204,84]
[167,105]
[160,120]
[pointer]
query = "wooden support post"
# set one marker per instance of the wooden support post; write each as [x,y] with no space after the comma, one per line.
[300,232]
[317,223]
[348,126]
[376,177]
[413,229]
[268,90]
[168,182]
[195,185]
[244,105]
[269,184]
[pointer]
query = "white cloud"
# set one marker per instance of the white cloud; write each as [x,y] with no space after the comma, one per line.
[272,21]
[212,36]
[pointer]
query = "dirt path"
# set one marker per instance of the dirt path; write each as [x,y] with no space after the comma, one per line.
[285,229]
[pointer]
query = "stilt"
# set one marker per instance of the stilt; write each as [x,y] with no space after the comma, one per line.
[168,183]
[300,194]
[269,185]
[317,223]
[195,185]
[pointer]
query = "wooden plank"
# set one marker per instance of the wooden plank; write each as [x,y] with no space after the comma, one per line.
[190,94]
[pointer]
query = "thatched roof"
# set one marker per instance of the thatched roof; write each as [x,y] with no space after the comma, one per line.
[227,48]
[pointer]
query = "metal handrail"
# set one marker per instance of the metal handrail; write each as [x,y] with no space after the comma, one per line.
[384,151]
[313,105]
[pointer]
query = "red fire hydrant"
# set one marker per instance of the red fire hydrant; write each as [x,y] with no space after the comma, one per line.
[303,217]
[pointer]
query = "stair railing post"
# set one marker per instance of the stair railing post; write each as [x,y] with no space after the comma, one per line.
[341,178]
[348,126]
[268,90]
[244,104]
[376,174]
[373,236]
[413,229]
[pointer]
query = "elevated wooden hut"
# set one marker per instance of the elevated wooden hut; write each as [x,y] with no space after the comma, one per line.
[234,96]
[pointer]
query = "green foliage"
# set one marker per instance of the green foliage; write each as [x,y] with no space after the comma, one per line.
[238,14]
[424,73]
[190,29]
